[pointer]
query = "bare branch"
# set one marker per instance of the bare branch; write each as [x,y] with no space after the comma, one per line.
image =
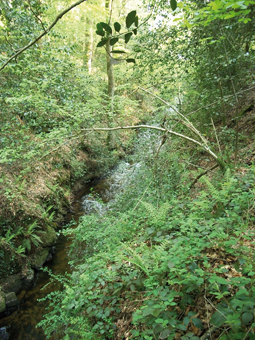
[202,174]
[59,16]
[184,120]
[204,146]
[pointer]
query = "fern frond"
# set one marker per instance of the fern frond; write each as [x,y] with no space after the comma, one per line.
[157,214]
[136,259]
[160,250]
[227,175]
[213,190]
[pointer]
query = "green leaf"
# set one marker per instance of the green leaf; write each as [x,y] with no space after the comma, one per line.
[197,323]
[130,60]
[165,333]
[186,321]
[117,26]
[218,319]
[106,27]
[135,31]
[148,311]
[130,19]
[102,42]
[173,4]
[136,21]
[118,51]
[127,37]
[100,32]
[113,41]
[170,264]
[99,27]
[247,318]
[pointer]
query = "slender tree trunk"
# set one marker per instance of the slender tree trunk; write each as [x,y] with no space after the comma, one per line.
[108,6]
[110,71]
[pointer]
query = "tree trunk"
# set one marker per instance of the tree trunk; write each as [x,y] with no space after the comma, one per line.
[110,71]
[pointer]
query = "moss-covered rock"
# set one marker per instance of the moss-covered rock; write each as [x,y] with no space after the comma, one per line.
[11,300]
[12,283]
[9,264]
[40,257]
[2,302]
[49,237]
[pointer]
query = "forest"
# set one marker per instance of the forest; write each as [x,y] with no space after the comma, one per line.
[168,87]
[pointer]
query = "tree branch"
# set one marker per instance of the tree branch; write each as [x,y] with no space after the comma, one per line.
[202,174]
[31,8]
[204,146]
[59,16]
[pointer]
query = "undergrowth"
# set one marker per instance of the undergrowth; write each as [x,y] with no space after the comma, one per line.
[181,268]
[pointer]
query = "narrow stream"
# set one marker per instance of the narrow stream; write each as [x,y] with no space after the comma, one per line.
[21,325]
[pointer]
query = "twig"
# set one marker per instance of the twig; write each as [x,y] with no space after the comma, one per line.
[140,200]
[216,136]
[247,333]
[208,333]
[185,121]
[59,16]
[8,42]
[202,174]
[36,16]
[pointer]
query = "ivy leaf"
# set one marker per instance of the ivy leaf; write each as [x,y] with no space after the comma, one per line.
[106,27]
[117,26]
[173,4]
[127,37]
[102,42]
[130,19]
[130,60]
[118,51]
[113,41]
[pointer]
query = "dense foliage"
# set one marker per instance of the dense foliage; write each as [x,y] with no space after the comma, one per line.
[172,258]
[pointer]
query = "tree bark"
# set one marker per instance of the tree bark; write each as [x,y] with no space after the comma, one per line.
[110,74]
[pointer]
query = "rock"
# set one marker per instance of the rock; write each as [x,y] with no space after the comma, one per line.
[12,283]
[9,264]
[2,304]
[4,335]
[29,278]
[49,237]
[11,300]
[40,258]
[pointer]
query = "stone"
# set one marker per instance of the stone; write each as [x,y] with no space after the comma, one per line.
[40,258]
[29,278]
[2,303]
[12,283]
[11,300]
[4,335]
[49,237]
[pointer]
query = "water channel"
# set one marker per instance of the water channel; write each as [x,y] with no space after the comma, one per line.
[21,325]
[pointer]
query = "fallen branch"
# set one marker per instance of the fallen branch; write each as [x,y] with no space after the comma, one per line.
[204,146]
[59,16]
[202,174]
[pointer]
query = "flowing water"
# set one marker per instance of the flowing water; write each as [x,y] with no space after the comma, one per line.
[95,197]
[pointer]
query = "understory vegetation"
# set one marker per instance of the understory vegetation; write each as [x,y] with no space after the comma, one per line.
[168,86]
[164,262]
